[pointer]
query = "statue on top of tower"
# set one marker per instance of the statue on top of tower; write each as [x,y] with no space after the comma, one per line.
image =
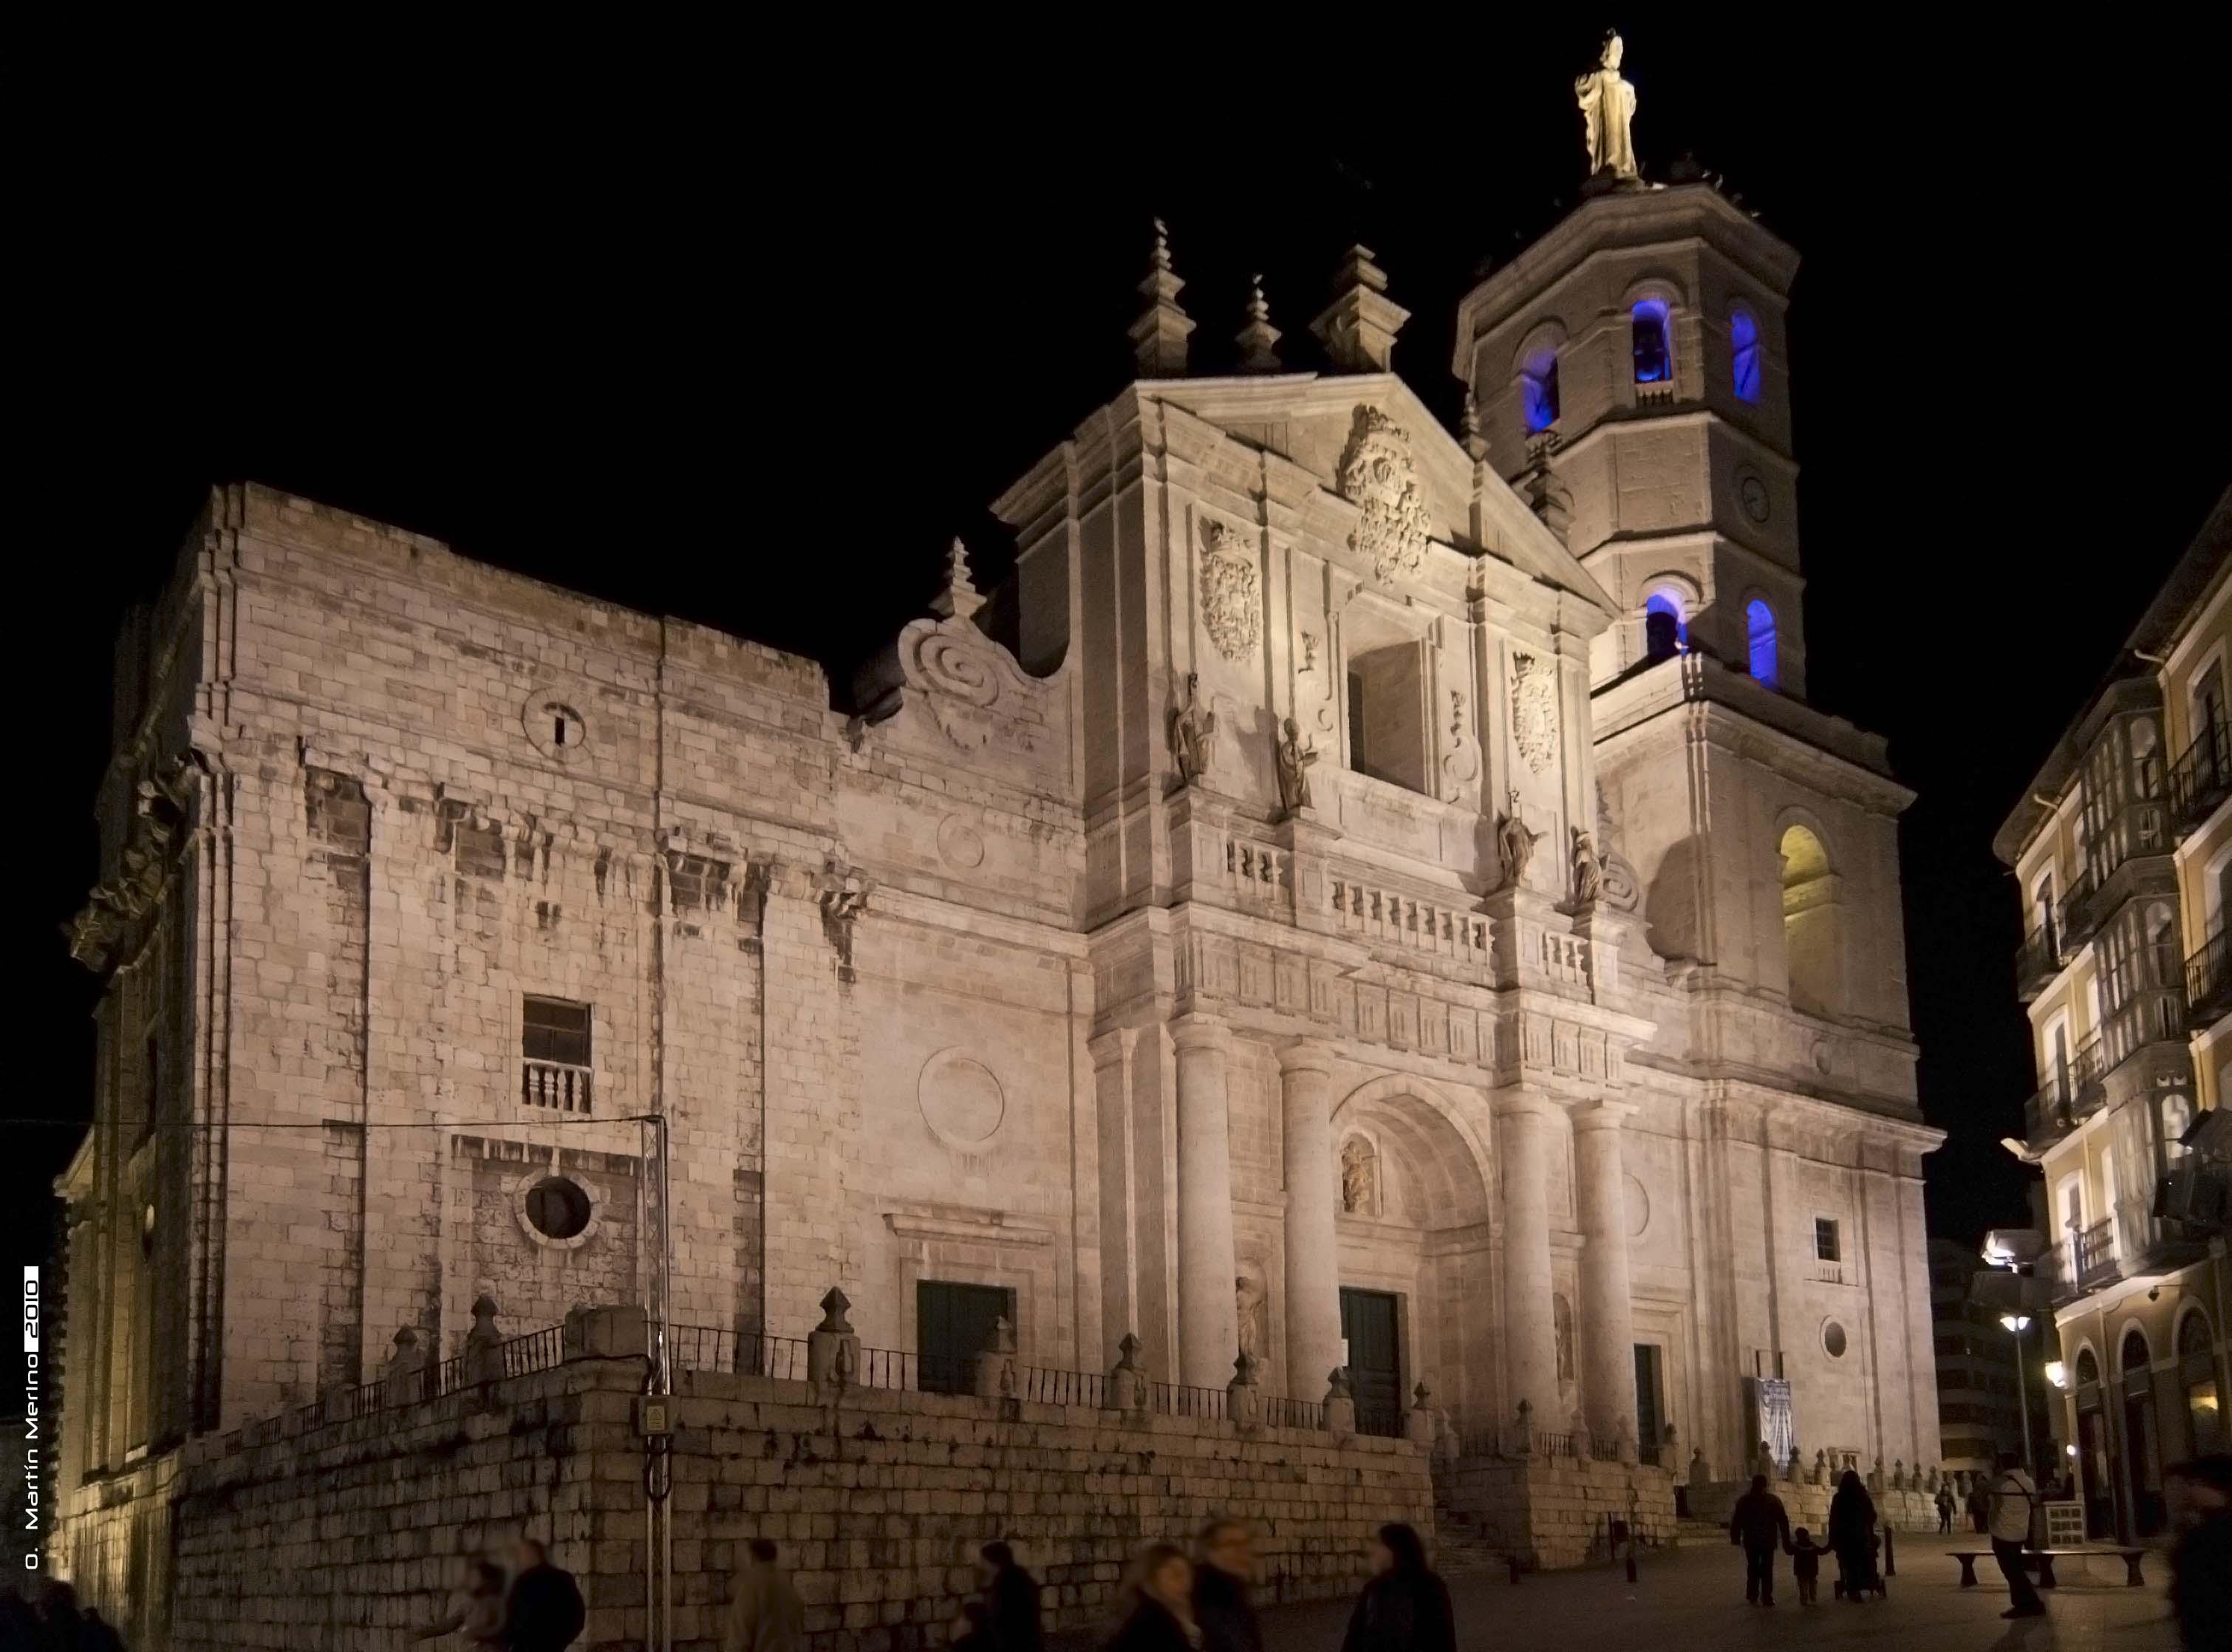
[1607,102]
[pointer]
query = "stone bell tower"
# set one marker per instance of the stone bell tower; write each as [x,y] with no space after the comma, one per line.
[1629,375]
[1630,372]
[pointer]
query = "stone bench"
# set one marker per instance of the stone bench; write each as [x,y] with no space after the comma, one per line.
[2041,1561]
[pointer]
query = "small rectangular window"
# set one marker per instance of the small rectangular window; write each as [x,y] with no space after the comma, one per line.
[1825,1241]
[1358,759]
[553,1045]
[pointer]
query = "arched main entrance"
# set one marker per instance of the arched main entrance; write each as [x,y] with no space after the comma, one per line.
[1414,1252]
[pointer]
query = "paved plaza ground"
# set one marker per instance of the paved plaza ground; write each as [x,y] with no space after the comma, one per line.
[1692,1597]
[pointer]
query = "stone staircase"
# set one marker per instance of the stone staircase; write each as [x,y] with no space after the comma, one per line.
[1463,1546]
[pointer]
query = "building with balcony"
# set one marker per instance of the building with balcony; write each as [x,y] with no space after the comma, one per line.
[1980,1398]
[2122,851]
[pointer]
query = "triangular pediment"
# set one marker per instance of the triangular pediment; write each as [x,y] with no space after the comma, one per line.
[1311,420]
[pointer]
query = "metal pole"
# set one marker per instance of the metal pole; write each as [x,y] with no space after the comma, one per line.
[2023,1407]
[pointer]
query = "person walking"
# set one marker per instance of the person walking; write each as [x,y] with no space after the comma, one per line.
[2201,1563]
[1760,1525]
[1221,1581]
[1945,1510]
[1853,1538]
[1805,1564]
[1157,1601]
[543,1612]
[1011,1601]
[1980,1506]
[475,1611]
[2014,1497]
[1405,1606]
[765,1614]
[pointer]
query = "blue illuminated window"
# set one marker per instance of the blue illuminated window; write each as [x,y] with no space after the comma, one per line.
[1538,389]
[1665,631]
[1654,351]
[1762,619]
[1743,339]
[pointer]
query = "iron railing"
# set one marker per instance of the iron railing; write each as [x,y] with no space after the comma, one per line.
[2093,1253]
[2151,1015]
[2201,777]
[1281,1413]
[517,1357]
[1039,1386]
[716,1348]
[2136,829]
[2038,959]
[1177,1400]
[2208,978]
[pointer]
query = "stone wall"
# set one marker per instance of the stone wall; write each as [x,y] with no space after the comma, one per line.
[1554,1512]
[346,1536]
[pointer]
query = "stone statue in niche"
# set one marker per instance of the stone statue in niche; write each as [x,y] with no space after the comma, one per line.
[1607,101]
[1191,729]
[1359,1176]
[1248,1296]
[1295,761]
[1514,844]
[1589,871]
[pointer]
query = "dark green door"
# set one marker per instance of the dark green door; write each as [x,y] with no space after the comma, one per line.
[953,1324]
[1647,1417]
[1375,1361]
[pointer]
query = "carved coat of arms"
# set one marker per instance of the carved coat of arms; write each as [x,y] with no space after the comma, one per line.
[1376,475]
[1534,709]
[1231,591]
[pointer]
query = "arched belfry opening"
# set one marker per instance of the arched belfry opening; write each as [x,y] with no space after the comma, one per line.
[1813,939]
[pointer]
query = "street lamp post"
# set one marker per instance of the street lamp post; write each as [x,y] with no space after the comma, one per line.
[2018,1323]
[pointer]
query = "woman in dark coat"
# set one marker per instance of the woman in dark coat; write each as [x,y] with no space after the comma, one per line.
[1852,1536]
[1159,1593]
[1404,1608]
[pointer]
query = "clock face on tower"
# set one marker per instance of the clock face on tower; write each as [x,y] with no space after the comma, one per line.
[1751,492]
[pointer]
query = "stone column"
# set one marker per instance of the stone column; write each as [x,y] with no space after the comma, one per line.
[1313,1198]
[1209,1328]
[1530,1330]
[1607,1327]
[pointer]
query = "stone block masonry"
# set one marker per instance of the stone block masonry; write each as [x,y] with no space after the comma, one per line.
[346,1537]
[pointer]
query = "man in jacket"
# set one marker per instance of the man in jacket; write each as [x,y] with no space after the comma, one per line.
[1759,1524]
[1221,1605]
[2013,1496]
[1011,1600]
[543,1612]
[765,1614]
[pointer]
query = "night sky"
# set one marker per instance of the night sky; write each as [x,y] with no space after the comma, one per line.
[748,339]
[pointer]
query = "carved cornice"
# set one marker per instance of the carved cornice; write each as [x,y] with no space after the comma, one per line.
[105,928]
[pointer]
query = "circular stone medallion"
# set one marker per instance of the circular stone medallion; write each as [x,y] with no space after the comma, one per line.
[961,1101]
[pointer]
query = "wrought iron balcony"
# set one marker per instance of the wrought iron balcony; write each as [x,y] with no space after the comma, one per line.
[2038,961]
[2209,979]
[2201,778]
[2092,1254]
[2068,1095]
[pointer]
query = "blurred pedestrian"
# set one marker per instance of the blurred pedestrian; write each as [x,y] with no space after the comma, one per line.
[1157,1604]
[1945,1509]
[1760,1525]
[2201,1564]
[475,1609]
[543,1613]
[1853,1538]
[1404,1607]
[971,1630]
[1221,1581]
[765,1614]
[1011,1601]
[2014,1497]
